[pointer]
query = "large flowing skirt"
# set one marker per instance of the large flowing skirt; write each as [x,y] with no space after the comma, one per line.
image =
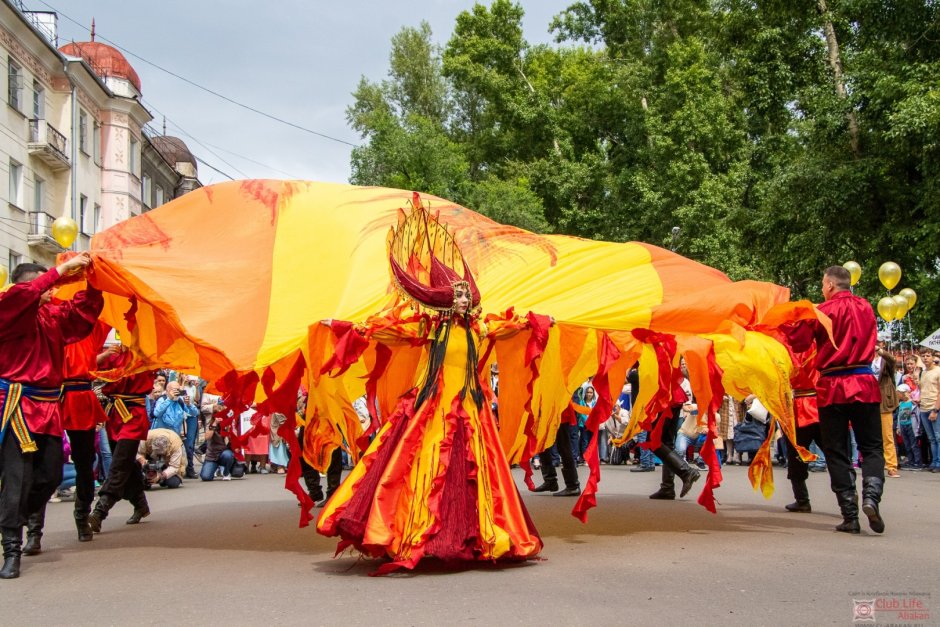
[434,482]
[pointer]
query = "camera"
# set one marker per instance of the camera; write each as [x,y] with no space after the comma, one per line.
[153,469]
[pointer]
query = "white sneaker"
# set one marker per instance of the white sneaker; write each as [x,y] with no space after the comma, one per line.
[226,477]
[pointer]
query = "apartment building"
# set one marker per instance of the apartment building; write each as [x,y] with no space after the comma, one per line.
[72,139]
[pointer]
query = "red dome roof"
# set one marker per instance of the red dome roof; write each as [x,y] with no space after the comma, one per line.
[103,59]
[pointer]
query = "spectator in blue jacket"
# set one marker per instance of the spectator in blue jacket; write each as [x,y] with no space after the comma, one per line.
[171,410]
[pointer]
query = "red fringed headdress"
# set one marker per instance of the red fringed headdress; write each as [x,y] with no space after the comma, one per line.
[425,261]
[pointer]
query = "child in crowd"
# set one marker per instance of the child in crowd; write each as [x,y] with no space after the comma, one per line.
[907,428]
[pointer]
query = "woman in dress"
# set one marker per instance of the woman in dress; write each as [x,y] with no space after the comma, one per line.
[435,481]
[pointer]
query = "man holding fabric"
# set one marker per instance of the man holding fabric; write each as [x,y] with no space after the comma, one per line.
[847,392]
[128,424]
[33,336]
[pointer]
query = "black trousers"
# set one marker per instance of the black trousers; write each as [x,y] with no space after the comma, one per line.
[834,429]
[27,480]
[797,469]
[671,427]
[568,468]
[334,473]
[83,456]
[126,480]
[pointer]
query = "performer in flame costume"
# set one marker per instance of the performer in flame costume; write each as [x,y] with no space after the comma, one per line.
[435,481]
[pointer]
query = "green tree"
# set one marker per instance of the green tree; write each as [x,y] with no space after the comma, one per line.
[781,137]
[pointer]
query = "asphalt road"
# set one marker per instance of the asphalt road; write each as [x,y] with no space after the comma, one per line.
[232,553]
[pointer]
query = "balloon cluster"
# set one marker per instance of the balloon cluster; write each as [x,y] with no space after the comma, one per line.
[890,307]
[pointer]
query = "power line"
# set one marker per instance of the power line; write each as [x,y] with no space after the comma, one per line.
[212,167]
[248,159]
[206,89]
[209,150]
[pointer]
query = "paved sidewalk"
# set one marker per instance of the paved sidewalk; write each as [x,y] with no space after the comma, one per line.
[232,553]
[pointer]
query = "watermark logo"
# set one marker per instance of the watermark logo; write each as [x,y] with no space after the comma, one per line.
[891,608]
[864,610]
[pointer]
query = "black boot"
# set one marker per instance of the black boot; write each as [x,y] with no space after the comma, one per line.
[141,510]
[871,497]
[667,488]
[34,525]
[12,550]
[848,504]
[688,474]
[801,494]
[102,507]
[547,486]
[81,512]
[573,490]
[673,465]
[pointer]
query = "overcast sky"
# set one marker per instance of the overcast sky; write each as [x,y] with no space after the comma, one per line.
[294,59]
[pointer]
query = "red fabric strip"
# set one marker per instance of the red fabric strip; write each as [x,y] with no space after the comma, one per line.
[348,348]
[608,354]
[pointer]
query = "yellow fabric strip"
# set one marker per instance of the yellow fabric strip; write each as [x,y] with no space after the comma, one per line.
[13,417]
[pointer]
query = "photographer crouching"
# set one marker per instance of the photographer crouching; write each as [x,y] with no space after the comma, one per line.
[162,458]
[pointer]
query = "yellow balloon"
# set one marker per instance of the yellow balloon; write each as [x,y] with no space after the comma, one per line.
[889,274]
[887,308]
[902,305]
[64,231]
[911,297]
[4,275]
[855,270]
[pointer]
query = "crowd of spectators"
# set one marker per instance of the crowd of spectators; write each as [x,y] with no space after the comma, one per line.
[186,431]
[743,426]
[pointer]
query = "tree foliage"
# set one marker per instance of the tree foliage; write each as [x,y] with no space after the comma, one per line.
[780,137]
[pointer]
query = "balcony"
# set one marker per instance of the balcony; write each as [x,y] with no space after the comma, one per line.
[40,232]
[48,145]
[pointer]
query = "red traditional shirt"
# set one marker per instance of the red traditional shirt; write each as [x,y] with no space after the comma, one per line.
[854,333]
[33,338]
[137,385]
[81,409]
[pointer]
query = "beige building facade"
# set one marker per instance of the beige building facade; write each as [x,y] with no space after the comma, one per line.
[72,140]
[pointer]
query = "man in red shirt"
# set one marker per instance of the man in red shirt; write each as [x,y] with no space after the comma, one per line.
[128,424]
[33,335]
[847,393]
[81,414]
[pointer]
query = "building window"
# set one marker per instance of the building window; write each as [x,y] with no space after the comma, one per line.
[134,157]
[39,194]
[39,101]
[14,260]
[145,191]
[97,218]
[16,183]
[96,141]
[14,83]
[83,132]
[83,214]
[159,197]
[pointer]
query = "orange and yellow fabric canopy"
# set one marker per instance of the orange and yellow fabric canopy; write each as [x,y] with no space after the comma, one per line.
[235,277]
